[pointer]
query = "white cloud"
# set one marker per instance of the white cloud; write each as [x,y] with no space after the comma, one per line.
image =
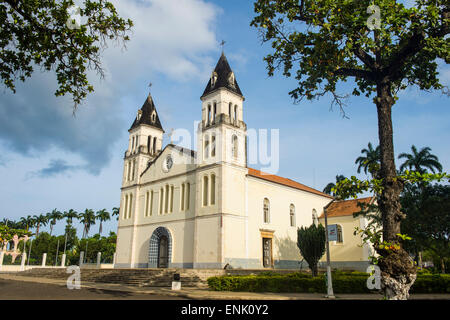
[171,37]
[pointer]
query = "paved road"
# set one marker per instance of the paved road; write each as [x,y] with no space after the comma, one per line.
[20,290]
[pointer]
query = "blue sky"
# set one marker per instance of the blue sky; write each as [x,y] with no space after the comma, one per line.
[50,159]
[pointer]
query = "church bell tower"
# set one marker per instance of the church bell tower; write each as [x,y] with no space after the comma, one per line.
[222,131]
[145,142]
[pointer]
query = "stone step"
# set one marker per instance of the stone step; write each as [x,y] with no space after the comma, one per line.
[132,277]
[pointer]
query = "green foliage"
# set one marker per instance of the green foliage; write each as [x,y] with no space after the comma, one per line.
[95,244]
[311,242]
[7,233]
[353,186]
[370,160]
[431,283]
[324,42]
[420,161]
[427,210]
[34,33]
[329,187]
[343,282]
[45,243]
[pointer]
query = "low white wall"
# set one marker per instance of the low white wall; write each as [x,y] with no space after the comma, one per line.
[94,266]
[17,268]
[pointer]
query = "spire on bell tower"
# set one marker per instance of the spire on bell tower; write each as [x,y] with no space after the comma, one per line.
[222,132]
[145,141]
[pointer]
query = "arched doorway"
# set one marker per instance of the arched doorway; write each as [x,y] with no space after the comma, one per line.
[163,252]
[160,249]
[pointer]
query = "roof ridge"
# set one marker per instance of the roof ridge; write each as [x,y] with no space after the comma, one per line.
[304,186]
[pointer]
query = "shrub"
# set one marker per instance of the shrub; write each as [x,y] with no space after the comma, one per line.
[431,283]
[343,282]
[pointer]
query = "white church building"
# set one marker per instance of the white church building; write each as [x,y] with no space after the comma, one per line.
[207,209]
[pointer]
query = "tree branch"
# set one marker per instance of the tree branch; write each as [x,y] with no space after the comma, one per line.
[357,73]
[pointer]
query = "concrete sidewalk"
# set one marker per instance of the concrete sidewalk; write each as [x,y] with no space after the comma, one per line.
[207,294]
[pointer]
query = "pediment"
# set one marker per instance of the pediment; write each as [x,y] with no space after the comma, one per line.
[173,160]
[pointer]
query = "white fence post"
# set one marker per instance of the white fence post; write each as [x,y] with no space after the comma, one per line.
[44,259]
[81,258]
[99,257]
[22,263]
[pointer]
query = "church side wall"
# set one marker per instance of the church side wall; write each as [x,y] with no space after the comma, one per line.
[285,253]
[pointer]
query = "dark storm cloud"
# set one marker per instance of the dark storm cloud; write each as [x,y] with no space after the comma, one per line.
[33,121]
[55,167]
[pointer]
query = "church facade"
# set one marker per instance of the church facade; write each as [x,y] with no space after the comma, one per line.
[181,208]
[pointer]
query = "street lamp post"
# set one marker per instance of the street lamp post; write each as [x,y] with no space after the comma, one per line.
[330,293]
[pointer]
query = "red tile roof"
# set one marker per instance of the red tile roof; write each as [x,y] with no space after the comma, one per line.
[284,181]
[345,207]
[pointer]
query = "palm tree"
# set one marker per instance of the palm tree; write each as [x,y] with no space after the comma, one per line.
[115,212]
[70,215]
[31,222]
[53,217]
[420,161]
[102,216]
[371,160]
[331,185]
[40,220]
[87,218]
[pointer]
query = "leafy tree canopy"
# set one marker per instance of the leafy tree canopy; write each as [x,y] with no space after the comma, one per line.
[36,33]
[427,210]
[336,43]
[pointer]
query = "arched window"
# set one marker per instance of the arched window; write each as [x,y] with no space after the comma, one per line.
[171,199]
[166,200]
[133,170]
[183,188]
[154,144]
[147,199]
[235,112]
[206,149]
[266,211]
[149,144]
[213,189]
[214,77]
[230,105]
[161,200]
[188,195]
[125,207]
[130,205]
[315,218]
[292,215]
[234,146]
[340,239]
[132,143]
[208,121]
[214,113]
[213,145]
[205,191]
[151,203]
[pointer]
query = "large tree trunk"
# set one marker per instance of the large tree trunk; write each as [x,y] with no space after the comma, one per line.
[397,268]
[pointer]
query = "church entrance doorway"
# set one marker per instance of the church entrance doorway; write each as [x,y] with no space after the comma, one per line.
[160,248]
[163,252]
